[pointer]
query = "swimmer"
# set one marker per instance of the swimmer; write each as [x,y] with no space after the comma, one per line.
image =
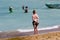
[10,9]
[26,9]
[23,7]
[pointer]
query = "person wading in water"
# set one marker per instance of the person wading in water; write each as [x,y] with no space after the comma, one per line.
[35,22]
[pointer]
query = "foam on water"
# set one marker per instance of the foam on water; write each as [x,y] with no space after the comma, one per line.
[47,28]
[0,31]
[29,30]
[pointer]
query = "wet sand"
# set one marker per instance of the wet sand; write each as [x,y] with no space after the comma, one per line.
[50,34]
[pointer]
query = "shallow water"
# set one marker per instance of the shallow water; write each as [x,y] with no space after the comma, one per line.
[20,20]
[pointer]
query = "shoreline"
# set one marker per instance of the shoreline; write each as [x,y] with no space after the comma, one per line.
[11,34]
[47,36]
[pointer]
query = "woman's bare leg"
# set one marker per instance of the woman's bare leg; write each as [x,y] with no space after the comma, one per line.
[35,30]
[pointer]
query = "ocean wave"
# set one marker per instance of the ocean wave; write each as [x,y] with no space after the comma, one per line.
[29,30]
[47,28]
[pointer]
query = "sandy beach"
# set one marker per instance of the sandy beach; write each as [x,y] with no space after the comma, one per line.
[50,34]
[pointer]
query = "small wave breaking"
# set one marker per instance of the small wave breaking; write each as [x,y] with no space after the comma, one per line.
[47,28]
[29,30]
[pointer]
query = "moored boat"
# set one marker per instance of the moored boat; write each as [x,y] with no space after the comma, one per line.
[57,6]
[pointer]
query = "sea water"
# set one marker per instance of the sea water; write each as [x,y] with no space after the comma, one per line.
[18,20]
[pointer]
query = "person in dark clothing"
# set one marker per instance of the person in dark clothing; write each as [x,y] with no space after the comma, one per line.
[10,9]
[26,9]
[23,7]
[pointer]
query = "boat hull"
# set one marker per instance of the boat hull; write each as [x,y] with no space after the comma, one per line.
[57,6]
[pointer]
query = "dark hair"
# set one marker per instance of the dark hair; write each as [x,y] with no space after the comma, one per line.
[34,11]
[26,7]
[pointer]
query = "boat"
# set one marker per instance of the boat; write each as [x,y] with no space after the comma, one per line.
[56,6]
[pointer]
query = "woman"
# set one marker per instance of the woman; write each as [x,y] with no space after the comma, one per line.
[35,22]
